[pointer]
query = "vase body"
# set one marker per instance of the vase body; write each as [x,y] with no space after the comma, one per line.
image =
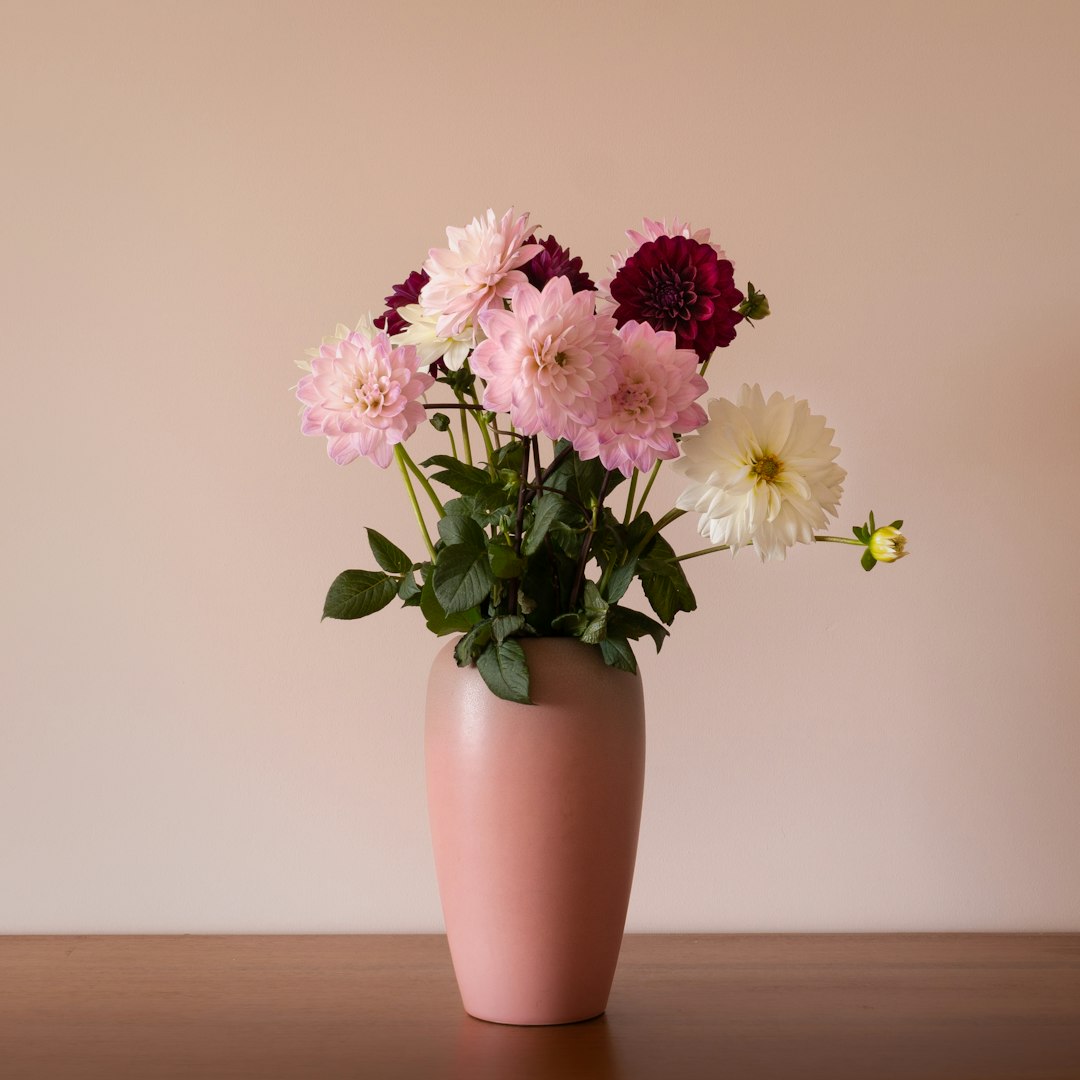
[534,820]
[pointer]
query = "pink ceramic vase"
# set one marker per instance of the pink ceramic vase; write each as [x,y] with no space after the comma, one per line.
[534,820]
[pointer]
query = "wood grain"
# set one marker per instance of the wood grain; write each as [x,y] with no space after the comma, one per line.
[876,1007]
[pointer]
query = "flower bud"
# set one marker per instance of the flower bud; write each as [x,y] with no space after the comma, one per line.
[887,544]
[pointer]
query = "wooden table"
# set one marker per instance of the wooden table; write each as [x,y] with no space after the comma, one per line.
[683,1007]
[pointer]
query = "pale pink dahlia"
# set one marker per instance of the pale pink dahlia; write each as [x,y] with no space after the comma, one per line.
[477,271]
[362,395]
[652,230]
[549,361]
[654,401]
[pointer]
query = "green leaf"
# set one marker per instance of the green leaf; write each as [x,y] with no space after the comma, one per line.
[868,560]
[873,527]
[664,582]
[619,581]
[460,529]
[504,626]
[898,524]
[408,591]
[548,509]
[389,556]
[473,643]
[629,623]
[617,653]
[581,480]
[356,593]
[503,667]
[438,621]
[505,562]
[468,479]
[462,577]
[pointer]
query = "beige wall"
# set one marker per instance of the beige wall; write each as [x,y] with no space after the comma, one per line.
[192,194]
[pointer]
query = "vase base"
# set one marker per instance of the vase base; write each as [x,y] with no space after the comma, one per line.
[517,1022]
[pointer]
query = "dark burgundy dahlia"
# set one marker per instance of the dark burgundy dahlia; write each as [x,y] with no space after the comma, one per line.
[408,292]
[554,261]
[675,283]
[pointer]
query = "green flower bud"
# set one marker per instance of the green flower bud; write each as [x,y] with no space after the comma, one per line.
[756,304]
[887,544]
[440,421]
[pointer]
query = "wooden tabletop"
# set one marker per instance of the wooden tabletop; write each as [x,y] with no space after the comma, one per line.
[383,1007]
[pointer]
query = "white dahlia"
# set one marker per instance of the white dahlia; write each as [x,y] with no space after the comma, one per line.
[423,332]
[762,472]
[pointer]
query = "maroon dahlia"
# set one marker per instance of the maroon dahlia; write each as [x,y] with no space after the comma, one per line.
[408,292]
[554,261]
[675,283]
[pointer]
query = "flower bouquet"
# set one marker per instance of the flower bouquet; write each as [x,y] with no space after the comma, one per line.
[551,392]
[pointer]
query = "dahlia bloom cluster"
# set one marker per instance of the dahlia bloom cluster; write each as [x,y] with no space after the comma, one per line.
[522,346]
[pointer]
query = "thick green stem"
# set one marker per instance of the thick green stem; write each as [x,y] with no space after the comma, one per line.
[630,497]
[424,482]
[466,445]
[648,488]
[399,453]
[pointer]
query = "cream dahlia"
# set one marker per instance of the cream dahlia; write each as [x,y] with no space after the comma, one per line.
[422,330]
[362,395]
[549,361]
[654,400]
[762,473]
[478,270]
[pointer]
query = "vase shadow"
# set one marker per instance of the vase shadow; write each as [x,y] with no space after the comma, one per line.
[486,1051]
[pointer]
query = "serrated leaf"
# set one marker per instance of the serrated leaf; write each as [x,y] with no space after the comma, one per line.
[356,593]
[467,479]
[473,643]
[461,529]
[505,562]
[408,591]
[504,626]
[548,509]
[619,581]
[868,561]
[505,670]
[664,582]
[438,621]
[617,653]
[630,623]
[389,556]
[462,577]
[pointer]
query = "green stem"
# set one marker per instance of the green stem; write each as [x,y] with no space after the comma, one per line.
[466,446]
[838,540]
[424,482]
[453,441]
[630,498]
[482,423]
[703,551]
[399,453]
[648,488]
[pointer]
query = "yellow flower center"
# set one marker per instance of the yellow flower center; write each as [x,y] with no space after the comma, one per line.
[767,468]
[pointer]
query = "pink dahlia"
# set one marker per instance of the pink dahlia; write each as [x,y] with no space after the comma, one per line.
[549,361]
[677,283]
[477,271]
[362,395]
[654,400]
[408,292]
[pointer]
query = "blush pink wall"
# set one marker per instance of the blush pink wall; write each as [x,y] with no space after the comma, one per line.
[191,195]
